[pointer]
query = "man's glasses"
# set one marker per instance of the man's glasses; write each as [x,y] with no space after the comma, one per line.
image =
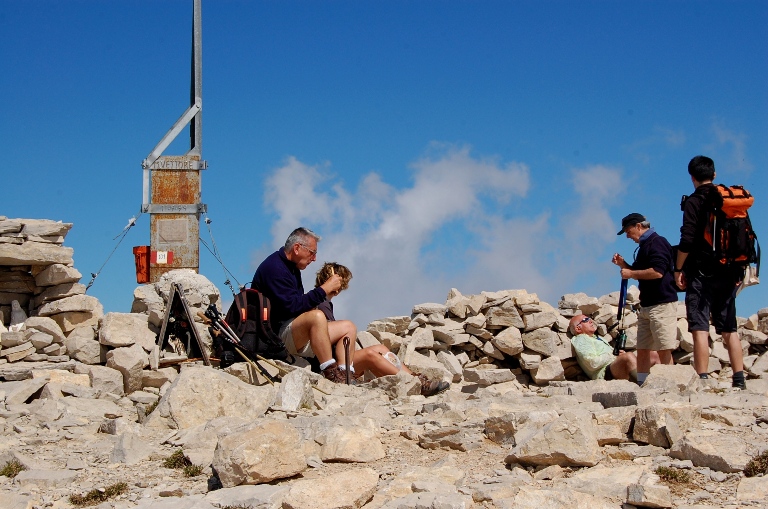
[584,320]
[313,252]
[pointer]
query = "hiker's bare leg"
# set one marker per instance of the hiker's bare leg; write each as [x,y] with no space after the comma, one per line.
[664,357]
[701,350]
[644,362]
[624,364]
[735,353]
[371,359]
[312,327]
[339,329]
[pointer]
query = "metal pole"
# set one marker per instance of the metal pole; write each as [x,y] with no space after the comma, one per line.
[196,92]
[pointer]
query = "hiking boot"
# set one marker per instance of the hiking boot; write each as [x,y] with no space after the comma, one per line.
[352,377]
[432,387]
[741,384]
[334,374]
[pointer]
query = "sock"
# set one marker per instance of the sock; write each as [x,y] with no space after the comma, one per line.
[343,366]
[327,364]
[641,378]
[703,376]
[738,377]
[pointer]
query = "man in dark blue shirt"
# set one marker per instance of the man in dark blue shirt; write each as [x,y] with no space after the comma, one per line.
[653,269]
[304,329]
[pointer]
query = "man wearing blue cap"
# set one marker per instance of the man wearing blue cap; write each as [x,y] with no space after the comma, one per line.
[653,268]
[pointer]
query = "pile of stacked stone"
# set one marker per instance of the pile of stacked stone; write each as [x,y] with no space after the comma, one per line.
[498,336]
[38,280]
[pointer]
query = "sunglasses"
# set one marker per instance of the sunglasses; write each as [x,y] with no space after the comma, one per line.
[584,320]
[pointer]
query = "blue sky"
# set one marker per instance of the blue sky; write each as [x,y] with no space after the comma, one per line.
[433,144]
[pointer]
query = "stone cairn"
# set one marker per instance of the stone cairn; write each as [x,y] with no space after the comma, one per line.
[497,336]
[38,280]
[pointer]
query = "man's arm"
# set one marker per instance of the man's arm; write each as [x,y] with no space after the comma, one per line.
[690,226]
[277,282]
[691,210]
[659,256]
[641,274]
[290,297]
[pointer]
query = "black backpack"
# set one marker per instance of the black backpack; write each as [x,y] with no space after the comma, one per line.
[248,316]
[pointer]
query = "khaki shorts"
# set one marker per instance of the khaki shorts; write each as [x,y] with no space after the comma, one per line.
[286,334]
[657,327]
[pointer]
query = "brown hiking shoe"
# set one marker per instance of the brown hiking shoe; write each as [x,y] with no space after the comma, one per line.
[335,374]
[432,387]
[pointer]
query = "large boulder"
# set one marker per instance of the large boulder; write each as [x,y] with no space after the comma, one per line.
[200,394]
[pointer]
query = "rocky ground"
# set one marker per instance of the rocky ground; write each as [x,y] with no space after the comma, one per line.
[102,408]
[381,445]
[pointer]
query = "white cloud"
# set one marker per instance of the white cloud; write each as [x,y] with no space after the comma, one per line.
[661,137]
[586,228]
[737,143]
[453,227]
[292,193]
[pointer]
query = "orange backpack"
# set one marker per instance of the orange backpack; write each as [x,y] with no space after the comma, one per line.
[730,232]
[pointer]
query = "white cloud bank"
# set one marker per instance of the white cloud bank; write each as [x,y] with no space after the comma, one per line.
[453,227]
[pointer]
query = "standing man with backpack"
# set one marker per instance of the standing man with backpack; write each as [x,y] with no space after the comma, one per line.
[653,269]
[710,286]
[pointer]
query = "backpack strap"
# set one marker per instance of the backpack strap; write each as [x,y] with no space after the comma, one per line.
[264,323]
[241,301]
[266,329]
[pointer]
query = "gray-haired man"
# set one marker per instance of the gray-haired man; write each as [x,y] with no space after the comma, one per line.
[304,329]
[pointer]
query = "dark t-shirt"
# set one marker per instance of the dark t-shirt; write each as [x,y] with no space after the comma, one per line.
[696,210]
[327,308]
[655,253]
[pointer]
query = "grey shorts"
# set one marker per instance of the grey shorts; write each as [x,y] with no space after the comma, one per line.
[657,327]
[286,334]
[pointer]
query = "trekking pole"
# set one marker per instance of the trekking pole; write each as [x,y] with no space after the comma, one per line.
[223,327]
[256,366]
[621,337]
[347,358]
[213,318]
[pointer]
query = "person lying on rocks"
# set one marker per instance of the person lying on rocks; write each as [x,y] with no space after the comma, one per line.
[595,356]
[373,358]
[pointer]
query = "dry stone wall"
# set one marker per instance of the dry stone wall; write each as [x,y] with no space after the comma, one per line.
[41,298]
[511,334]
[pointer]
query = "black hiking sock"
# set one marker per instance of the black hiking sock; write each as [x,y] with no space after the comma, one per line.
[703,376]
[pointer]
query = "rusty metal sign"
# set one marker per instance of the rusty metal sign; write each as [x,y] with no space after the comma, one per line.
[177,232]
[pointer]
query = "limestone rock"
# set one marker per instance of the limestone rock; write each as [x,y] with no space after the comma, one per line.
[200,393]
[130,361]
[57,274]
[347,490]
[269,450]
[570,440]
[125,329]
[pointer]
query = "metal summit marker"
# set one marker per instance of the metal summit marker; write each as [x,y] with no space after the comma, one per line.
[172,184]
